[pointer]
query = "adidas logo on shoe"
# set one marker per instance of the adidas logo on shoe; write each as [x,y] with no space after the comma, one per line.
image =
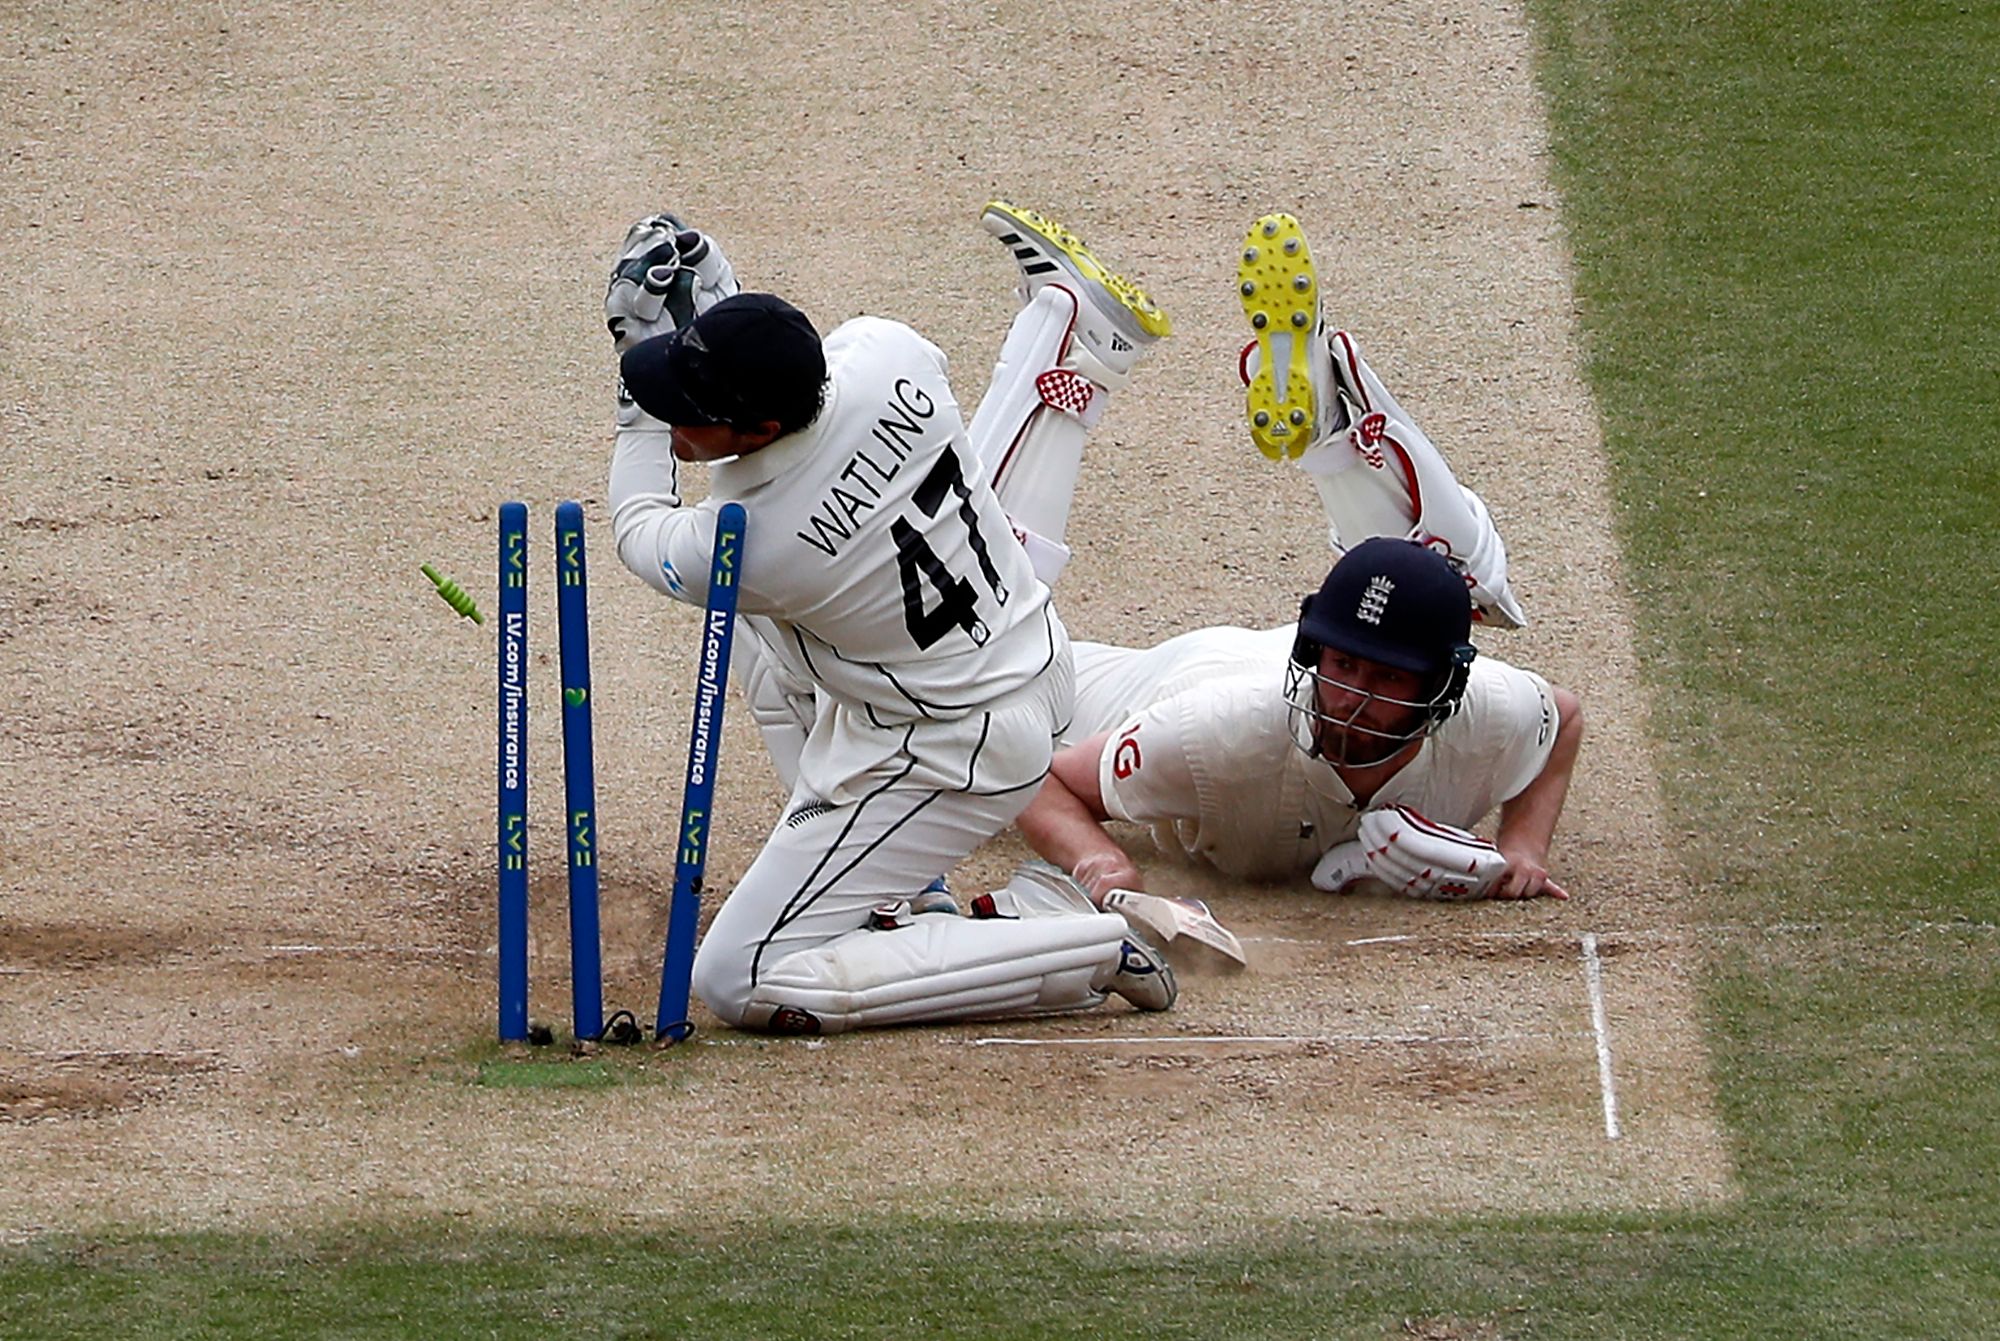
[1047,253]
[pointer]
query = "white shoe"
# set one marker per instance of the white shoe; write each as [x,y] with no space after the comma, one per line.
[1144,976]
[666,275]
[1115,318]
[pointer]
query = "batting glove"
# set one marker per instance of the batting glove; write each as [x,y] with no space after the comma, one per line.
[1412,856]
[666,275]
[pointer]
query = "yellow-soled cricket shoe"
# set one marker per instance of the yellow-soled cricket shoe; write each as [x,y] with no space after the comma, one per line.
[1280,295]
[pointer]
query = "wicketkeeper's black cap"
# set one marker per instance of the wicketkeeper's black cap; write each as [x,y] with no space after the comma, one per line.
[1396,602]
[750,358]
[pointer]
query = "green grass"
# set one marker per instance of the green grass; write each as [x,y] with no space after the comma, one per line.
[1629,1277]
[502,1073]
[1784,222]
[556,1067]
[559,1065]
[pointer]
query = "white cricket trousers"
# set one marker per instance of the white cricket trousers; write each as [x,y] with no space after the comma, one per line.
[827,865]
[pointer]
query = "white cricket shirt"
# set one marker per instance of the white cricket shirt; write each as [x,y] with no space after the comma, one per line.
[881,558]
[1213,769]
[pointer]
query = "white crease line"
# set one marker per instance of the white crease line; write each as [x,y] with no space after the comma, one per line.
[1593,977]
[1456,937]
[1714,930]
[1245,1040]
[1441,938]
[368,950]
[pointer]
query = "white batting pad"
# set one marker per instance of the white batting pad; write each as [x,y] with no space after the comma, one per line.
[1047,557]
[1030,427]
[1358,502]
[1384,476]
[945,968]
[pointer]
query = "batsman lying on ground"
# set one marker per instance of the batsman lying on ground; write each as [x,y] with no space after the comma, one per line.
[1359,745]
[1328,761]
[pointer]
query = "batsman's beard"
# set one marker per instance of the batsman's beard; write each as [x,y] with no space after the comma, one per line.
[1343,739]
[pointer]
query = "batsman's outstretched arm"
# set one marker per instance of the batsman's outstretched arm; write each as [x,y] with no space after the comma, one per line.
[1528,819]
[1065,822]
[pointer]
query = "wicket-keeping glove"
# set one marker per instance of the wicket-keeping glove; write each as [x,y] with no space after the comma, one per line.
[666,275]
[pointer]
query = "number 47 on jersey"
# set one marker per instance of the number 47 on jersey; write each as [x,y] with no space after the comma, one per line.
[918,564]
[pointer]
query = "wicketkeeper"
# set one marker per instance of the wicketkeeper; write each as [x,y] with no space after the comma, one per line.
[898,646]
